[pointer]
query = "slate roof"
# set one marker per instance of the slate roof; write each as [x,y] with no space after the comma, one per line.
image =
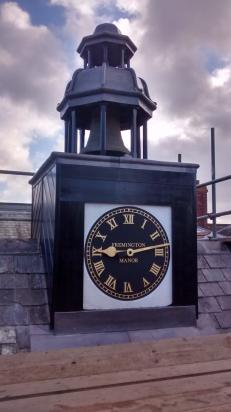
[214,290]
[214,284]
[15,221]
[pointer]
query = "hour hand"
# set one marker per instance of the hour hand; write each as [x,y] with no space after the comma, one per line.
[110,251]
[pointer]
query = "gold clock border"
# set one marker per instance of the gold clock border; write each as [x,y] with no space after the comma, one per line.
[90,237]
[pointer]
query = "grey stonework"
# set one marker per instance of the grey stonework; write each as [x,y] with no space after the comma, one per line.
[31,297]
[224,302]
[37,281]
[227,274]
[14,314]
[23,337]
[207,321]
[201,262]
[6,264]
[8,349]
[7,335]
[39,315]
[208,305]
[214,284]
[16,246]
[211,289]
[218,261]
[224,319]
[29,264]
[15,230]
[226,287]
[8,345]
[23,294]
[19,229]
[213,275]
[24,315]
[200,276]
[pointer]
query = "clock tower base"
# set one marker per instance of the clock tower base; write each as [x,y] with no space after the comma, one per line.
[64,187]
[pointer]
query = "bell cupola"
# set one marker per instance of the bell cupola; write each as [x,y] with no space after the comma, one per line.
[106,97]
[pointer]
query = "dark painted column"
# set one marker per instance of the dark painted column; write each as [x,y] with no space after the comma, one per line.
[134,133]
[122,58]
[73,133]
[66,137]
[82,139]
[89,58]
[105,54]
[103,128]
[138,142]
[69,135]
[145,140]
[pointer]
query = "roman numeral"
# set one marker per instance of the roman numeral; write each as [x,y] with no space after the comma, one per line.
[96,252]
[159,252]
[112,223]
[111,282]
[127,287]
[98,234]
[155,269]
[145,282]
[99,267]
[154,235]
[144,223]
[128,219]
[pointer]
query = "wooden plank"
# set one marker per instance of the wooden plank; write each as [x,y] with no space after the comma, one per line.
[78,383]
[104,359]
[219,408]
[175,395]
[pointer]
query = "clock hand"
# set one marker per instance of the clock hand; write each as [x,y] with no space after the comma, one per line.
[110,251]
[131,252]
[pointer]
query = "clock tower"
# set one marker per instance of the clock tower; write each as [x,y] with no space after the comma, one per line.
[117,231]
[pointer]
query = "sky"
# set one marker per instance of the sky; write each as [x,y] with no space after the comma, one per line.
[184,55]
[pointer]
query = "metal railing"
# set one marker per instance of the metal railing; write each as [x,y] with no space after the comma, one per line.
[16,172]
[213,215]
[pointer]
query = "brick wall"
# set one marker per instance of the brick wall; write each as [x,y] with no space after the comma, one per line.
[202,205]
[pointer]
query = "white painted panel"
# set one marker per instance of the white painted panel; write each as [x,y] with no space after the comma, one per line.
[93,298]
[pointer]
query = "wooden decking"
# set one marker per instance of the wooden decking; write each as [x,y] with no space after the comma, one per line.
[170,375]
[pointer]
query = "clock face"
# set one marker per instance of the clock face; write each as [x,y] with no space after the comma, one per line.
[127,253]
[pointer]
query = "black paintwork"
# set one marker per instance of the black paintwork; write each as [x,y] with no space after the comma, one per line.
[43,223]
[105,80]
[108,182]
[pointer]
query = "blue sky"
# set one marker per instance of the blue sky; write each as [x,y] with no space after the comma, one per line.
[183,54]
[42,12]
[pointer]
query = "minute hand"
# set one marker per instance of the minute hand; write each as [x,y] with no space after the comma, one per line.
[131,252]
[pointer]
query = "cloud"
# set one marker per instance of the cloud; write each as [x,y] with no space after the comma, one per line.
[33,73]
[33,69]
[191,97]
[183,54]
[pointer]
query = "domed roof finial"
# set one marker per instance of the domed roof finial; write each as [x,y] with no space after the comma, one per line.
[107,28]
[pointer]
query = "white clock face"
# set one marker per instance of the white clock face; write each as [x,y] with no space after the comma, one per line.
[127,256]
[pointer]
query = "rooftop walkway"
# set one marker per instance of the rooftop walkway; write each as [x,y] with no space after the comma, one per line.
[175,375]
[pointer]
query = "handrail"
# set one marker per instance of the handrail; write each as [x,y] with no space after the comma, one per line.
[16,172]
[213,182]
[210,182]
[213,216]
